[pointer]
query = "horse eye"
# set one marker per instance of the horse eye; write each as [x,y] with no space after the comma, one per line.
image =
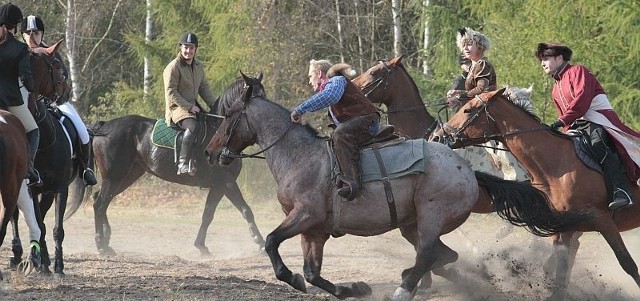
[467,111]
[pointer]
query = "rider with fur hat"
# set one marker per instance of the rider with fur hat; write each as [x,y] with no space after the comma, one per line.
[185,79]
[357,120]
[32,28]
[582,104]
[16,68]
[482,76]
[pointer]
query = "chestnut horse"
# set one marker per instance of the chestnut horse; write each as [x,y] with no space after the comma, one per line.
[426,205]
[13,166]
[569,184]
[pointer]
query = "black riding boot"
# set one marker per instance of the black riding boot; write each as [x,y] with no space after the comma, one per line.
[87,175]
[614,170]
[33,176]
[184,165]
[349,160]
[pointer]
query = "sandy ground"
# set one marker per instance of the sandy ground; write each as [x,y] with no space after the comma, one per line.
[157,261]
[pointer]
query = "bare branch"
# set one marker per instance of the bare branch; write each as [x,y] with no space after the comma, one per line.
[106,32]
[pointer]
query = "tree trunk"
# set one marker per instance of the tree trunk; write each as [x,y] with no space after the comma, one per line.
[71,50]
[339,25]
[425,46]
[147,63]
[397,30]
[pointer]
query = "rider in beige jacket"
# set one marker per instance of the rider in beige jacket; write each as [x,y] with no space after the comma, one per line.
[185,79]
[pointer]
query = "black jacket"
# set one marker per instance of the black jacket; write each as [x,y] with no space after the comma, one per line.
[15,62]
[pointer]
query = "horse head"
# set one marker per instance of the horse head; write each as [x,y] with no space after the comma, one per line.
[374,82]
[472,124]
[231,94]
[48,77]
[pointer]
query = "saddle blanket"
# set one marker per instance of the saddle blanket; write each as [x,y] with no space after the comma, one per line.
[399,160]
[163,135]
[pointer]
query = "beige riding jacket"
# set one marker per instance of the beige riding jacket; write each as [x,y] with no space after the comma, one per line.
[182,85]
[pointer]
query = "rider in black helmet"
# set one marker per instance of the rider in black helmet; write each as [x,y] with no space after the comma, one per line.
[16,67]
[32,28]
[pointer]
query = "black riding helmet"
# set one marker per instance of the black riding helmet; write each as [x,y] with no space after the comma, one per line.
[32,23]
[188,38]
[10,15]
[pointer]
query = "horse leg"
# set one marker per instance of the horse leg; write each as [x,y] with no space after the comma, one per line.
[9,200]
[58,231]
[16,244]
[313,248]
[612,235]
[293,224]
[428,240]
[45,204]
[213,199]
[233,193]
[565,247]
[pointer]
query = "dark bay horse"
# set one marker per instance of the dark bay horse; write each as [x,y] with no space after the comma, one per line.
[13,166]
[124,151]
[569,184]
[427,204]
[54,160]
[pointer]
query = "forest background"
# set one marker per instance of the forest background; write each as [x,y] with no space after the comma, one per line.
[116,49]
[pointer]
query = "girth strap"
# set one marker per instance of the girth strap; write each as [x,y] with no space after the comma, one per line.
[387,189]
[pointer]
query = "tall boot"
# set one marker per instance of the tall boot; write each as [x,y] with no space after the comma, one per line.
[349,160]
[33,176]
[185,153]
[88,176]
[614,170]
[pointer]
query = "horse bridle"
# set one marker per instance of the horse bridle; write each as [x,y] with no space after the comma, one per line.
[452,134]
[229,153]
[372,86]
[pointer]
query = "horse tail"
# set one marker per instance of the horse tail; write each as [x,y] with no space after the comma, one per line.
[78,192]
[94,129]
[524,205]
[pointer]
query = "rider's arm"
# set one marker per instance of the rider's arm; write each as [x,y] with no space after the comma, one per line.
[331,94]
[24,70]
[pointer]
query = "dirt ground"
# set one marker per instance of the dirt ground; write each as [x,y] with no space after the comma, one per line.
[156,260]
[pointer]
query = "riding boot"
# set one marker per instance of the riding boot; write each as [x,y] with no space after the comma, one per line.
[88,176]
[614,170]
[184,165]
[349,160]
[33,176]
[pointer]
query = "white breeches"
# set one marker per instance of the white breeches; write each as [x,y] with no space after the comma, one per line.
[68,110]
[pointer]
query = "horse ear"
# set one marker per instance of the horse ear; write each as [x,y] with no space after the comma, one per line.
[530,89]
[396,60]
[53,48]
[499,92]
[260,76]
[246,78]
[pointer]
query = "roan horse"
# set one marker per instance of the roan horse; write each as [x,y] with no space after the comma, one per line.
[54,160]
[427,205]
[569,184]
[124,151]
[13,166]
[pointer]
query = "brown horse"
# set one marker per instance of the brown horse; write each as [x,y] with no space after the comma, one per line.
[424,207]
[569,183]
[13,166]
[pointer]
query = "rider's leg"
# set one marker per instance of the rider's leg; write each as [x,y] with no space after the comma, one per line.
[33,137]
[604,150]
[347,138]
[189,125]
[84,153]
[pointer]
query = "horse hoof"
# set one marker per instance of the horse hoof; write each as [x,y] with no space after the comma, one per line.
[44,270]
[400,294]
[107,251]
[297,281]
[59,275]
[361,289]
[204,251]
[14,262]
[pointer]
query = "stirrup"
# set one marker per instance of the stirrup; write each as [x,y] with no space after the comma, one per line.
[183,168]
[620,202]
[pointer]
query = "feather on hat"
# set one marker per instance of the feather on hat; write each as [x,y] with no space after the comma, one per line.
[467,34]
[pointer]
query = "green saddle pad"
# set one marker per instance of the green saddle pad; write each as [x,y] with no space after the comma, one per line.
[163,135]
[399,160]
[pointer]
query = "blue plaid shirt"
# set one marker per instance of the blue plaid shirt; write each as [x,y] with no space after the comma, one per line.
[330,95]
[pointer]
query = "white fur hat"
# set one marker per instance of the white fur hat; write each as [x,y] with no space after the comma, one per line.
[467,34]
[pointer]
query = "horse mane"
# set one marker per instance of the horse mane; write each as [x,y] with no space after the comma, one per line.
[228,96]
[310,130]
[413,83]
[521,98]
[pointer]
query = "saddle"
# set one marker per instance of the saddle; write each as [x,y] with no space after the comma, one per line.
[582,145]
[170,136]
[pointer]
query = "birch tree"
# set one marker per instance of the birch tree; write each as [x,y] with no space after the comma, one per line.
[397,28]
